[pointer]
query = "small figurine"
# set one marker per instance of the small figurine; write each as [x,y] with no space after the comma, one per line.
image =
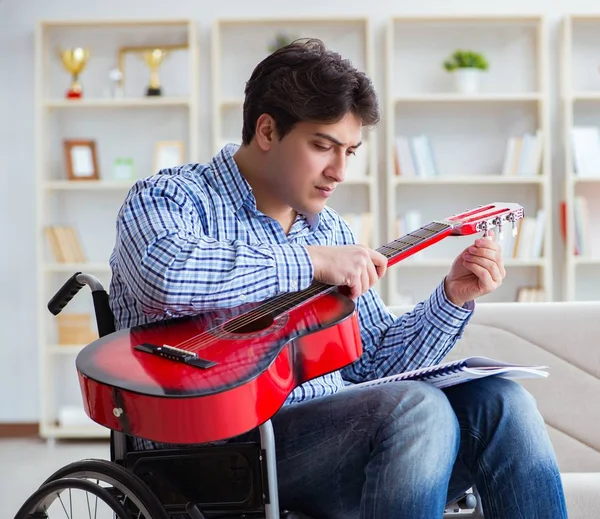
[116,83]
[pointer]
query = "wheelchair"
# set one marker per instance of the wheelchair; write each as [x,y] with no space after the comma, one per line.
[220,480]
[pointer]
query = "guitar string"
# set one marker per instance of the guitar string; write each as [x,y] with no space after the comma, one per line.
[301,297]
[197,343]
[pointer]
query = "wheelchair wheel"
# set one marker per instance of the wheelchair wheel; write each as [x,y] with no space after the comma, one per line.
[130,491]
[59,492]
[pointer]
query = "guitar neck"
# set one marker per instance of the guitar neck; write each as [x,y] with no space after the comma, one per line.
[394,251]
[414,242]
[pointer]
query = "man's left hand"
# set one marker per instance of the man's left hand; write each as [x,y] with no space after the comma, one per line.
[477,271]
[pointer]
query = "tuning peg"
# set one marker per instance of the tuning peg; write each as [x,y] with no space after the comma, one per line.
[498,223]
[513,224]
[486,230]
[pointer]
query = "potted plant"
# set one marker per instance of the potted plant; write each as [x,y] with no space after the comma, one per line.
[466,65]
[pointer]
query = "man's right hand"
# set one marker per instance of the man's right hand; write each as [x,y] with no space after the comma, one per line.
[354,266]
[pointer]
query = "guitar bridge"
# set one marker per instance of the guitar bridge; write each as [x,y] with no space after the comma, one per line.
[176,354]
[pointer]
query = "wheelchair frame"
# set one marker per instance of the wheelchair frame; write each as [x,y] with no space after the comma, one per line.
[263,496]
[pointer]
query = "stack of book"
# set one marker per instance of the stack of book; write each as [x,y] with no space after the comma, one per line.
[583,239]
[586,151]
[583,232]
[528,244]
[523,155]
[414,157]
[75,329]
[64,244]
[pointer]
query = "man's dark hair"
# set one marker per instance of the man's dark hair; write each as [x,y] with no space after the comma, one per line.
[304,81]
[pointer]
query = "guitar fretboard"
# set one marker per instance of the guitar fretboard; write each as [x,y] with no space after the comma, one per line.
[412,239]
[283,303]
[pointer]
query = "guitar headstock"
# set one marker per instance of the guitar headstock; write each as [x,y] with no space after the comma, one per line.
[497,215]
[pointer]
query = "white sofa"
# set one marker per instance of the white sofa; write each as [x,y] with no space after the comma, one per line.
[565,337]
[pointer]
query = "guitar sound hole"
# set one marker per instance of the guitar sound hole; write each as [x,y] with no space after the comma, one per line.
[244,325]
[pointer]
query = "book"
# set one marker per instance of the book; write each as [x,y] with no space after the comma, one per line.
[460,371]
[585,141]
[64,244]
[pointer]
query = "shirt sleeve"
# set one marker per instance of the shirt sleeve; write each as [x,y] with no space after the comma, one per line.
[395,344]
[172,267]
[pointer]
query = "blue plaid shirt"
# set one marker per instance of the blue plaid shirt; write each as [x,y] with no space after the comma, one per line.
[191,239]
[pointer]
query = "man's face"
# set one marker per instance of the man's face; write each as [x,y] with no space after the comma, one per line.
[306,165]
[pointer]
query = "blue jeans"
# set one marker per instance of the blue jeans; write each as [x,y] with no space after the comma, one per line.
[404,449]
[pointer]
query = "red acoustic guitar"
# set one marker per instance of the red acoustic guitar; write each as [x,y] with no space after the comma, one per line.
[219,374]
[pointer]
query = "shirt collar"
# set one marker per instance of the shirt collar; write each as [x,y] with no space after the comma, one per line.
[234,188]
[228,179]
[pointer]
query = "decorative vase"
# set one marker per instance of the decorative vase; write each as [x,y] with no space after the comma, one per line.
[467,80]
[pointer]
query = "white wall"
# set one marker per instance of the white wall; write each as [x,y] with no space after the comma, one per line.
[18,357]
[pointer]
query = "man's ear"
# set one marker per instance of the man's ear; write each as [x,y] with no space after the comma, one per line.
[265,132]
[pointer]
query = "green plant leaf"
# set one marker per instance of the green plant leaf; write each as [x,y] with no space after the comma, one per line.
[465,59]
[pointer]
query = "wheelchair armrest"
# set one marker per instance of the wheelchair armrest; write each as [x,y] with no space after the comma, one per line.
[104,316]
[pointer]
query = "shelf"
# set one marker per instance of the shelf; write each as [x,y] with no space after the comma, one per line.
[63,24]
[585,260]
[441,263]
[584,96]
[585,180]
[236,42]
[463,98]
[471,179]
[121,127]
[580,98]
[77,267]
[585,17]
[79,431]
[142,102]
[232,102]
[86,185]
[470,149]
[466,18]
[279,20]
[368,181]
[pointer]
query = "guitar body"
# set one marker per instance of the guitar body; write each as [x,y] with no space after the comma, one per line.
[257,365]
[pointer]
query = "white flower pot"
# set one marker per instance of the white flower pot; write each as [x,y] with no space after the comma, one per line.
[467,80]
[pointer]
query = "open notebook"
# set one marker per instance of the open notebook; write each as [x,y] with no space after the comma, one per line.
[463,370]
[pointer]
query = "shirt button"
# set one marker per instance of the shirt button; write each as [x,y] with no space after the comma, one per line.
[242,297]
[293,284]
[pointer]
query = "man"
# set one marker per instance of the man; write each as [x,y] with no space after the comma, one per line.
[253,223]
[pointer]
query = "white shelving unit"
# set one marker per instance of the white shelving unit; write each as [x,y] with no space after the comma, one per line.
[128,126]
[468,135]
[238,45]
[580,97]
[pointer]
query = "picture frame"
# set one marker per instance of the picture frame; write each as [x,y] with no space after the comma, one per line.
[168,154]
[80,159]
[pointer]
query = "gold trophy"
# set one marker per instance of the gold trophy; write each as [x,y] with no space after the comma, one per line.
[74,60]
[153,59]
